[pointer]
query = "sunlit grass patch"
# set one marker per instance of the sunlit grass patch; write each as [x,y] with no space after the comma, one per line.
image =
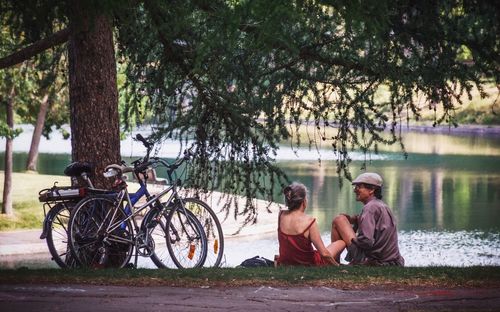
[27,215]
[28,211]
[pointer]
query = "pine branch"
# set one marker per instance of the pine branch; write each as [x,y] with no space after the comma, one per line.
[35,48]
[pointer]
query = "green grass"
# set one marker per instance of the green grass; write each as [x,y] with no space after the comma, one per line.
[28,211]
[346,277]
[28,215]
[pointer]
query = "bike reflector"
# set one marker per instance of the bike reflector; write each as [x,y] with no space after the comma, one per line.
[192,249]
[216,246]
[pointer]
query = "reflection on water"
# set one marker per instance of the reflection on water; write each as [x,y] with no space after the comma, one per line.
[460,248]
[427,192]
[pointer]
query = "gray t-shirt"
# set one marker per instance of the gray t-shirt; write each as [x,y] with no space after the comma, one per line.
[377,235]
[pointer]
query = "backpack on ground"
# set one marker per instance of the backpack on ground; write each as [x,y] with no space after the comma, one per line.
[257,261]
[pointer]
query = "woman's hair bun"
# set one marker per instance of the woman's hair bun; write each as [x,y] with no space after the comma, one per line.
[294,194]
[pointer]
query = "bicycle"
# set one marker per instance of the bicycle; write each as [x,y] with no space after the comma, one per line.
[104,231]
[57,204]
[178,246]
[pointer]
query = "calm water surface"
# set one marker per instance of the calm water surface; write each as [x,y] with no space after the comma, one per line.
[446,196]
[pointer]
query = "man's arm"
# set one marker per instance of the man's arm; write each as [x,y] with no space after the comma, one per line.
[366,229]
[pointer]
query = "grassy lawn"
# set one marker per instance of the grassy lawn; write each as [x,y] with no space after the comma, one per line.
[28,211]
[344,277]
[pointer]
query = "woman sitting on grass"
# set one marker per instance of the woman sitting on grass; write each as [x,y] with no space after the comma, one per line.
[298,232]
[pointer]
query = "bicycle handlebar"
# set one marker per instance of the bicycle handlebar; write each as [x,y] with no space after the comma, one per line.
[141,165]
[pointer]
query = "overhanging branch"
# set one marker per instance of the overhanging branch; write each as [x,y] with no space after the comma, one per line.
[35,48]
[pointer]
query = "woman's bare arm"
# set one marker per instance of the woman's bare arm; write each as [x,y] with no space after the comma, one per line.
[315,238]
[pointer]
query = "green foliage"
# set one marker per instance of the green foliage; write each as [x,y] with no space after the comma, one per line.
[24,22]
[238,77]
[6,132]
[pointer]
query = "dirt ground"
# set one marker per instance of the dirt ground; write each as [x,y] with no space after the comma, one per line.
[75,298]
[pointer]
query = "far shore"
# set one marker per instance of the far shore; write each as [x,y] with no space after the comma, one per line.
[442,128]
[461,129]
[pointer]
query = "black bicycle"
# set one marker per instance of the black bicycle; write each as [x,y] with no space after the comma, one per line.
[58,201]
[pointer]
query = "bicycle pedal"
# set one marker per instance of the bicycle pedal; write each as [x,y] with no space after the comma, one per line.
[130,266]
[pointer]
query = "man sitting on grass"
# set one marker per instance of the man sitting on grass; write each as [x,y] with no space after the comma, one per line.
[376,241]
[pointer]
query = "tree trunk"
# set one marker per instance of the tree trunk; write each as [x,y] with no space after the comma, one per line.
[7,184]
[95,134]
[37,134]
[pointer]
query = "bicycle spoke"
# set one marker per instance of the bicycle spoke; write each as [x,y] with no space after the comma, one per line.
[91,243]
[57,235]
[186,240]
[212,229]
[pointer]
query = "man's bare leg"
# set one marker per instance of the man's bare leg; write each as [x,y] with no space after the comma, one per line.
[342,230]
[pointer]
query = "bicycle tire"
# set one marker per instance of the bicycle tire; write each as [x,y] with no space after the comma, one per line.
[160,257]
[57,235]
[91,243]
[212,228]
[182,235]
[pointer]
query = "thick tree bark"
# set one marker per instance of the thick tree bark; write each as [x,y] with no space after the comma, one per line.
[7,184]
[37,134]
[95,135]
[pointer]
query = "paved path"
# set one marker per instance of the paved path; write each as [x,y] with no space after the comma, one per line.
[21,242]
[77,298]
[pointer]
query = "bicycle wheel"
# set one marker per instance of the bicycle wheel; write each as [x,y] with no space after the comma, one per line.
[57,235]
[155,229]
[211,227]
[179,240]
[183,236]
[99,238]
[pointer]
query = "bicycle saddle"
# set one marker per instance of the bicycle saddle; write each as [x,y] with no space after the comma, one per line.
[75,169]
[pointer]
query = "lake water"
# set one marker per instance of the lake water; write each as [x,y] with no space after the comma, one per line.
[446,195]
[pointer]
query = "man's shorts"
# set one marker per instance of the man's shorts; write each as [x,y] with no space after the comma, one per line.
[355,255]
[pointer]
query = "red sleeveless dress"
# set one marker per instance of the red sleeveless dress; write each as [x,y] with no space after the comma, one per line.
[297,249]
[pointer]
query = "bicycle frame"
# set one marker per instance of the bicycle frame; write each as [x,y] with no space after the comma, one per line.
[131,210]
